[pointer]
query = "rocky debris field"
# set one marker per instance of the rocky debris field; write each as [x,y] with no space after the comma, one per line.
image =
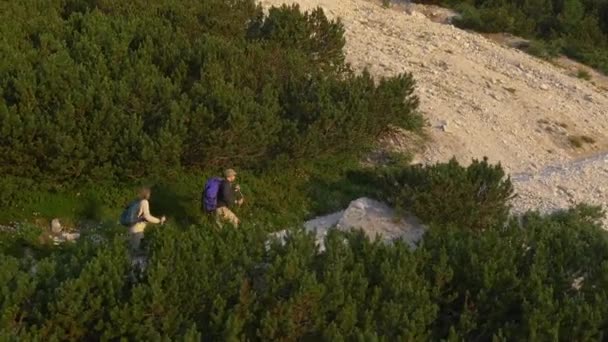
[483,98]
[563,185]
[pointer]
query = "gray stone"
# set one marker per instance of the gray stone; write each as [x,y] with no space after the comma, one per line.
[375,219]
[380,221]
[70,236]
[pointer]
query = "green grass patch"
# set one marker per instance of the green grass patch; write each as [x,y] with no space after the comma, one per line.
[578,141]
[583,74]
[281,195]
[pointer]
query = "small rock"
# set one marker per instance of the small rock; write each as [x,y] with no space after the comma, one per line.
[544,87]
[577,283]
[495,97]
[56,226]
[71,236]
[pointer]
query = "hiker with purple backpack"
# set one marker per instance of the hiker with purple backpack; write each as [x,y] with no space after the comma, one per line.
[220,195]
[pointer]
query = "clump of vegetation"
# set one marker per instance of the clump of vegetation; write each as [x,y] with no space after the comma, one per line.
[588,139]
[583,74]
[575,28]
[475,197]
[97,97]
[204,284]
[97,94]
[92,92]
[542,49]
[578,141]
[575,141]
[543,121]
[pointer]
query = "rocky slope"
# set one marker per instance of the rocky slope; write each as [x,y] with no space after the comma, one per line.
[485,99]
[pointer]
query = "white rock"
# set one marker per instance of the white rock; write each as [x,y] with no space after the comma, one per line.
[577,283]
[56,226]
[70,236]
[376,219]
[379,220]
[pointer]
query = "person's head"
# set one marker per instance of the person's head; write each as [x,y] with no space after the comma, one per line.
[230,175]
[144,193]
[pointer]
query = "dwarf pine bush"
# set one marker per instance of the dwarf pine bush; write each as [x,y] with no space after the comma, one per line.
[104,90]
[544,278]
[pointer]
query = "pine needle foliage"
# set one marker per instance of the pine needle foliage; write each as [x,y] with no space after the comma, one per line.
[114,91]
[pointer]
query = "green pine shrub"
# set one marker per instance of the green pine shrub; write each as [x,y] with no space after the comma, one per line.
[100,96]
[287,28]
[575,28]
[473,197]
[107,91]
[521,280]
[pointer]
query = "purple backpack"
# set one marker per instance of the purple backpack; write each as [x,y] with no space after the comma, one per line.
[209,200]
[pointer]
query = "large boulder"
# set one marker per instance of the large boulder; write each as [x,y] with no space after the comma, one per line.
[376,219]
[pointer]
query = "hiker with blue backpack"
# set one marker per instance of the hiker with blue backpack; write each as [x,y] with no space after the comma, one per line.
[220,195]
[137,215]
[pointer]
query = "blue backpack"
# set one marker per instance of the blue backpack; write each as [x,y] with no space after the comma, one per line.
[130,215]
[209,198]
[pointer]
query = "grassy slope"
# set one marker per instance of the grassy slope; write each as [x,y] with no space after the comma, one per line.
[281,196]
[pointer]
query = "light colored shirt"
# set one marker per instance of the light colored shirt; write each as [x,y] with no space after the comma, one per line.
[144,212]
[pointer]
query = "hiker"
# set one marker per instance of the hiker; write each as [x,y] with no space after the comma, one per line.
[137,215]
[220,195]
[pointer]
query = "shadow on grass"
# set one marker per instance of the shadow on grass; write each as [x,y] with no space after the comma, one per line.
[327,196]
[92,208]
[181,208]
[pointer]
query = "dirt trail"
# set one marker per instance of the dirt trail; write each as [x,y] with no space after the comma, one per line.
[485,99]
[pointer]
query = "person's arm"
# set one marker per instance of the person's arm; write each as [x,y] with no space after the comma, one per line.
[239,195]
[145,212]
